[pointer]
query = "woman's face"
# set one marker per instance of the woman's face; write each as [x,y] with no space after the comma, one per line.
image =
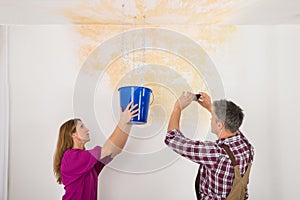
[82,132]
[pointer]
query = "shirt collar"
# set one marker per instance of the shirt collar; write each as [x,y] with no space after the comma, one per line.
[230,139]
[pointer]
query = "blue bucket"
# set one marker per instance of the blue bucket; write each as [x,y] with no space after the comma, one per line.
[138,95]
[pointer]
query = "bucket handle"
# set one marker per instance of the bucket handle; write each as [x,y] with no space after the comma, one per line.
[152,98]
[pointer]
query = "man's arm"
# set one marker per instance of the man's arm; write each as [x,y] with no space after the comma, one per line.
[174,119]
[183,101]
[195,150]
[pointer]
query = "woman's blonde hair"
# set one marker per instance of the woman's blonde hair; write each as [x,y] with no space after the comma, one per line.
[64,143]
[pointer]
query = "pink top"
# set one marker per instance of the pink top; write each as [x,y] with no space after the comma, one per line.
[79,170]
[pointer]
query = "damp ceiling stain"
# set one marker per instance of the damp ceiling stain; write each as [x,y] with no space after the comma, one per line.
[198,20]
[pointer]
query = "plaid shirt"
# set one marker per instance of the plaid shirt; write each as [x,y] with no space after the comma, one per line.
[216,170]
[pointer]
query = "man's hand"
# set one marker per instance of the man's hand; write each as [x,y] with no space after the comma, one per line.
[205,101]
[184,100]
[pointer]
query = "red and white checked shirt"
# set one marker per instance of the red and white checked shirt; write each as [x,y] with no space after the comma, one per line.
[216,170]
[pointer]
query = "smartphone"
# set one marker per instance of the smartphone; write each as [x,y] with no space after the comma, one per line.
[196,97]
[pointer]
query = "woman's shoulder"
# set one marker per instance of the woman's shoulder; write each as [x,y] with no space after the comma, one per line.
[78,152]
[95,148]
[72,150]
[69,151]
[74,154]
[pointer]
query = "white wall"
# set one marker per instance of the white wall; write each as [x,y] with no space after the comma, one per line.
[262,75]
[4,114]
[259,68]
[42,76]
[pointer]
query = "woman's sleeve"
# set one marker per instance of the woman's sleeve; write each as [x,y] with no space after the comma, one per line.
[99,165]
[80,162]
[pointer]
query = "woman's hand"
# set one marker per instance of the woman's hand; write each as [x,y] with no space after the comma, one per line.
[205,101]
[184,100]
[129,113]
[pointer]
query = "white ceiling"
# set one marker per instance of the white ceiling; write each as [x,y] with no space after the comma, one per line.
[268,12]
[242,12]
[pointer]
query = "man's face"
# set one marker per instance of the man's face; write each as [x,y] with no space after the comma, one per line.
[215,123]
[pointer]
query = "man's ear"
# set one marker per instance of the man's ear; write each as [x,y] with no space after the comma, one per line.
[219,124]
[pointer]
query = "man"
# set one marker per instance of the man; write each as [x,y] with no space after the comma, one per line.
[216,172]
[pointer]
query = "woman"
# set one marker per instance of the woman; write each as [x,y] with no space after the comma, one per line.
[78,169]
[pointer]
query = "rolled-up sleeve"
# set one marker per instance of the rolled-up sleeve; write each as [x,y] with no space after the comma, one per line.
[96,153]
[205,153]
